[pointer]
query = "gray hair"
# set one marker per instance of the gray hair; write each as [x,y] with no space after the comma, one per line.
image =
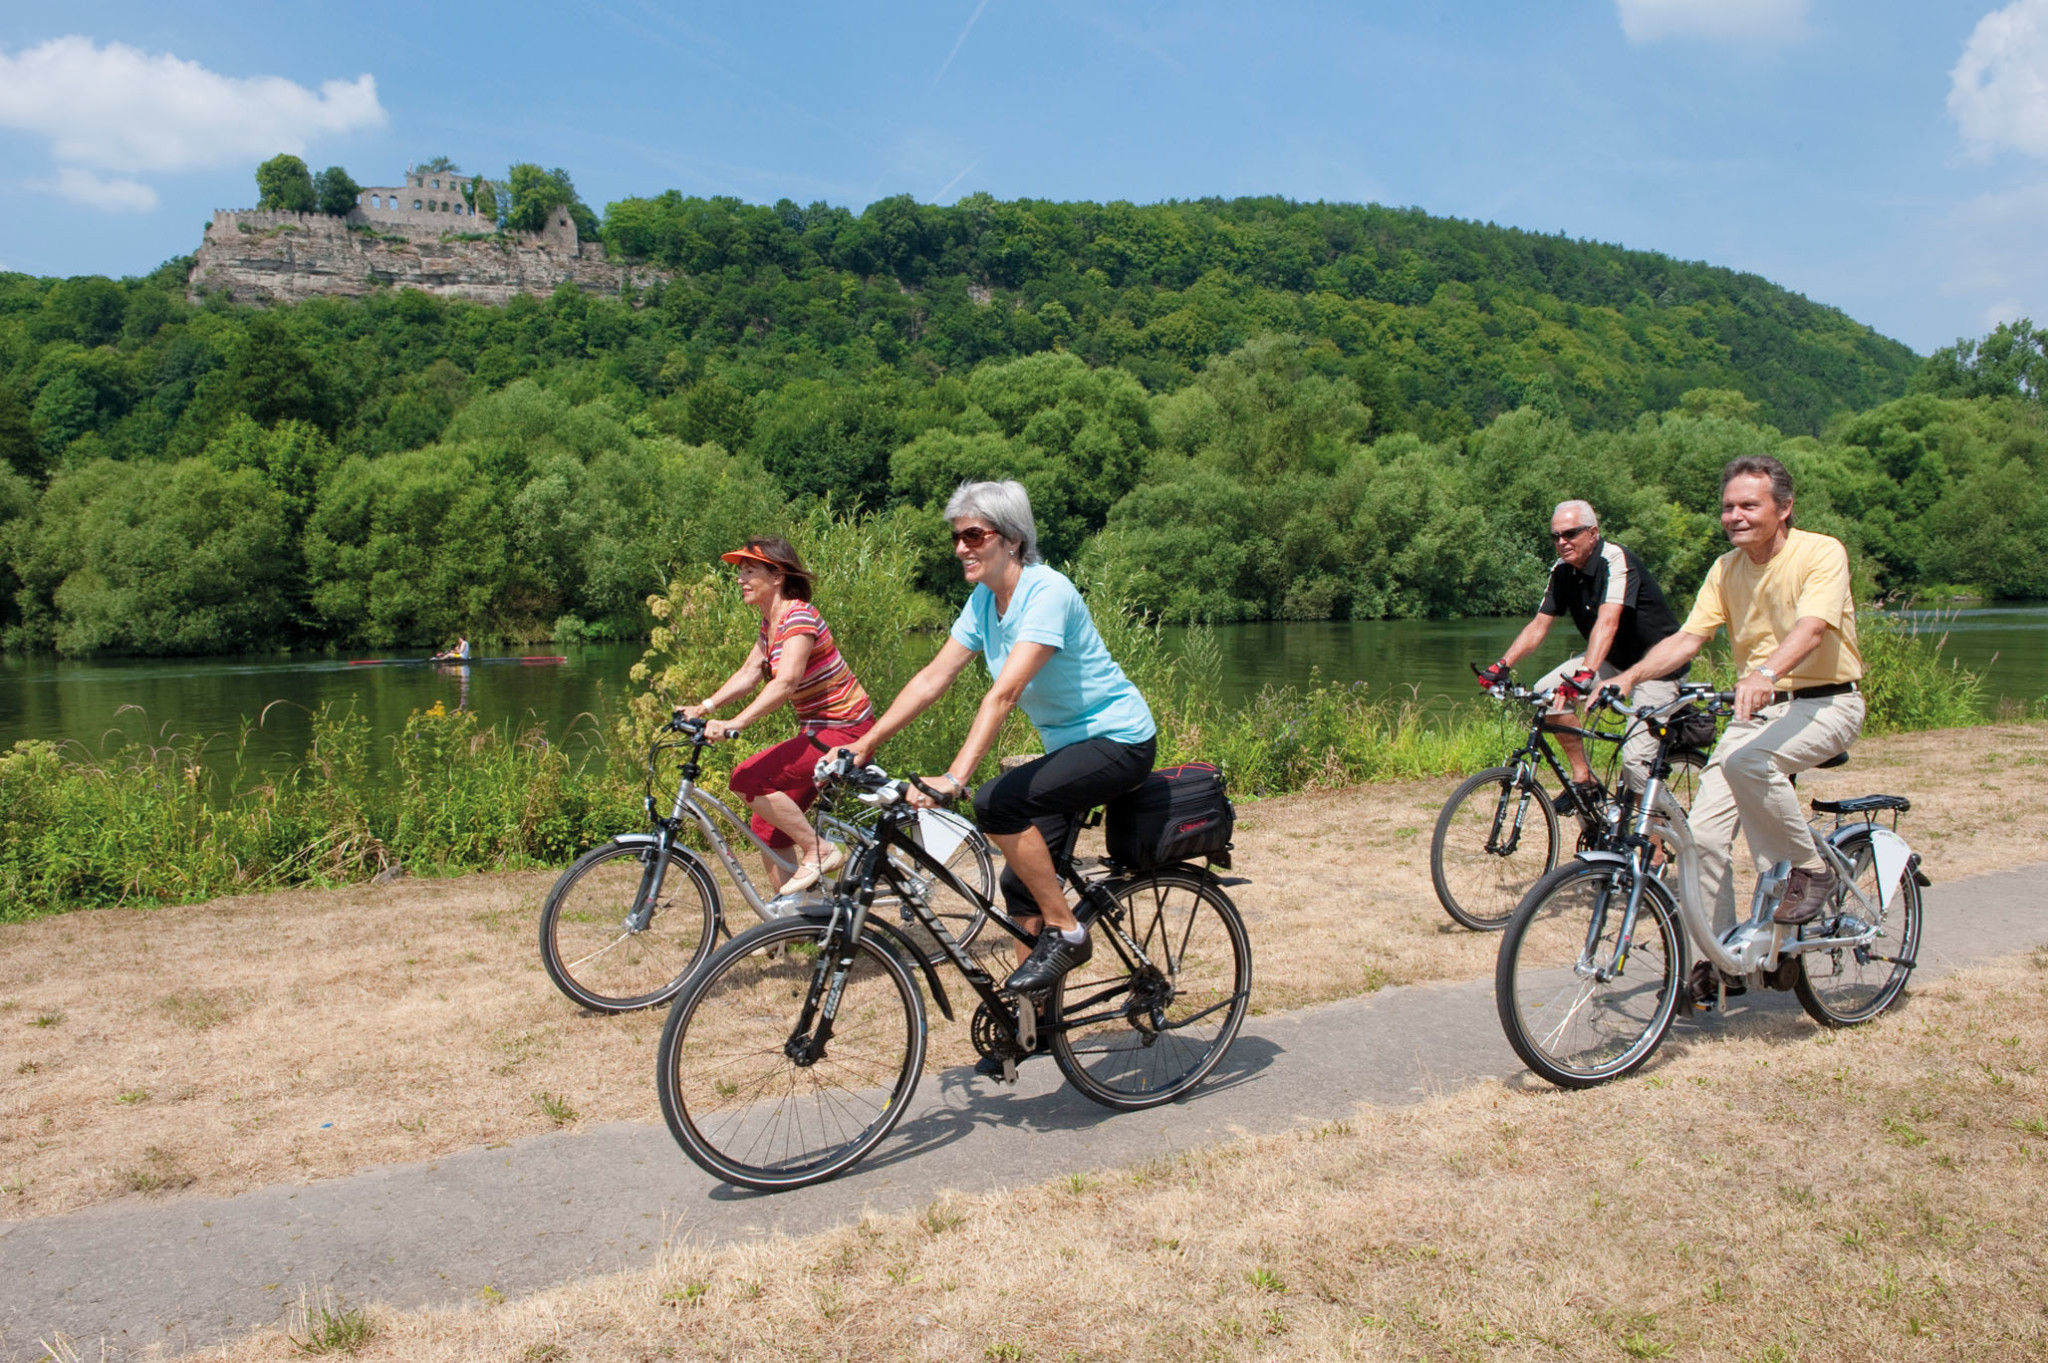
[1761,466]
[1006,506]
[1583,510]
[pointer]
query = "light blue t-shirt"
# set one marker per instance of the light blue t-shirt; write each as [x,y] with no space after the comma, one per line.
[1080,692]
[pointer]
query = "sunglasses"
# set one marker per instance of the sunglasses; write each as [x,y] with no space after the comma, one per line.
[974,536]
[1567,536]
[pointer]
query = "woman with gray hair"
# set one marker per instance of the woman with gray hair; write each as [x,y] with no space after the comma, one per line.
[1043,653]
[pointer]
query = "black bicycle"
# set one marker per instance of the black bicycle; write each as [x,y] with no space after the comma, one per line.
[1498,834]
[795,1050]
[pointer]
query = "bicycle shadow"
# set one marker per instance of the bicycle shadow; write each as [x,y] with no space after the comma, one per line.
[1769,1015]
[969,1103]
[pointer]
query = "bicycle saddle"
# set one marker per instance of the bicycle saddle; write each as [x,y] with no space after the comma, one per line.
[1840,759]
[1862,804]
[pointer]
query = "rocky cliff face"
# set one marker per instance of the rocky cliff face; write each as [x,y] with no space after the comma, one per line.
[283,257]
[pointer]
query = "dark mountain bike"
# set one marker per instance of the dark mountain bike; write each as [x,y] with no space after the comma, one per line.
[1499,832]
[795,1050]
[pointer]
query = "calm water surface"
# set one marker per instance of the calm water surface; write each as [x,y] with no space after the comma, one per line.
[99,705]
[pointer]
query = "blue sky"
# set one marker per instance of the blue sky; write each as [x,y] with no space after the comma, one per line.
[1889,157]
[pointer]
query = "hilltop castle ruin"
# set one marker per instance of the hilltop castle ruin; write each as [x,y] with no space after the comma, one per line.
[424,234]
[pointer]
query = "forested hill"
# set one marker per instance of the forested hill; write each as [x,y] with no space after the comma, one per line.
[1225,409]
[1443,324]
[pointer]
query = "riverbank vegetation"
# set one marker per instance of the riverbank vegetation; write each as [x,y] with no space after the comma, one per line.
[154,824]
[1224,410]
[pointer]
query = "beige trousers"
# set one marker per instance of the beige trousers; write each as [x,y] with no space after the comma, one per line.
[1638,748]
[1747,780]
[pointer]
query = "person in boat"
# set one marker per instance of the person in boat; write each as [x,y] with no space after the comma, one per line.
[794,661]
[457,654]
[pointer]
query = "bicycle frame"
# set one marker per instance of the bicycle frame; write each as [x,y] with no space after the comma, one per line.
[874,862]
[1523,760]
[1759,943]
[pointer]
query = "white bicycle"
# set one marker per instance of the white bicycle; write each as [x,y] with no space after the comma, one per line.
[1593,965]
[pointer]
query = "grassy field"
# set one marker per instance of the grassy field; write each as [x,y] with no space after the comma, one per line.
[200,1049]
[1779,1194]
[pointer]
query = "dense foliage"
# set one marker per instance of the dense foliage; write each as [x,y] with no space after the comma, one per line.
[1222,409]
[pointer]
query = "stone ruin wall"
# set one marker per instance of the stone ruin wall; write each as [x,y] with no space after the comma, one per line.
[282,257]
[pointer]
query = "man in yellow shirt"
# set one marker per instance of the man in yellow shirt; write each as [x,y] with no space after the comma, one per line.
[1784,596]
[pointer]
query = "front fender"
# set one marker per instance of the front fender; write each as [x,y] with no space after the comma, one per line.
[1603,858]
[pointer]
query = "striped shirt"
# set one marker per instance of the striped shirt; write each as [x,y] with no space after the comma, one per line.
[828,695]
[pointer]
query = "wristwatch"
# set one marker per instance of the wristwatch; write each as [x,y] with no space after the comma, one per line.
[1767,673]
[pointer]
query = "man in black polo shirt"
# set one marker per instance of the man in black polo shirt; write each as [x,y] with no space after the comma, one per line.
[1619,609]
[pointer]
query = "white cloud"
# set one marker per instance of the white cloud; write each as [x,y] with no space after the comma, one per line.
[1729,21]
[121,110]
[113,193]
[1993,254]
[1999,91]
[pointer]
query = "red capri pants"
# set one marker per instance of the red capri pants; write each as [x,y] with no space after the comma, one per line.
[787,767]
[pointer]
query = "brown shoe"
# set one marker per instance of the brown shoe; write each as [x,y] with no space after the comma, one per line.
[1807,896]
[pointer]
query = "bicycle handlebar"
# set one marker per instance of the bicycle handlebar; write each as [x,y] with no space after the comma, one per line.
[1715,702]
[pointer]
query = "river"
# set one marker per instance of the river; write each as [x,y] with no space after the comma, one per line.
[96,705]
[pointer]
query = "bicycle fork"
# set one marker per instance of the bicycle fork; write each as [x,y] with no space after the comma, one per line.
[1598,922]
[1494,845]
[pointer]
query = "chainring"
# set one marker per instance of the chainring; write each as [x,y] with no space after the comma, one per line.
[992,1036]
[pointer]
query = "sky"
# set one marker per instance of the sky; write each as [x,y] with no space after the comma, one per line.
[1888,157]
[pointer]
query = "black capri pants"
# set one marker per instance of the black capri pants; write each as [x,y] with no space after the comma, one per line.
[1052,794]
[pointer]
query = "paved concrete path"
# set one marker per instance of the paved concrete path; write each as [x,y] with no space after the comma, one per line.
[188,1273]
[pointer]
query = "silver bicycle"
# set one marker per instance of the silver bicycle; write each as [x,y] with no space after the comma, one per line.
[1593,965]
[627,923]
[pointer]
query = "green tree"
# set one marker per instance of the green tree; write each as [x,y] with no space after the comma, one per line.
[334,192]
[534,193]
[157,559]
[284,184]
[19,450]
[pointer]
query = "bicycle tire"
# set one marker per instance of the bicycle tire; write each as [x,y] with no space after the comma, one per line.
[1477,888]
[1126,1042]
[1567,1025]
[1846,986]
[588,946]
[734,1099]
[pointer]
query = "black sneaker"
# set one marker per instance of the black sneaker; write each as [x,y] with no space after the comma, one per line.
[1051,959]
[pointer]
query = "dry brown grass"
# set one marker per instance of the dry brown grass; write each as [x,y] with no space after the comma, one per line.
[1780,1194]
[207,1049]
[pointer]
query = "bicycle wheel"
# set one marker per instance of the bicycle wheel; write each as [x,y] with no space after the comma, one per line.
[964,850]
[1496,836]
[1565,1016]
[736,1099]
[603,955]
[1137,1036]
[1844,986]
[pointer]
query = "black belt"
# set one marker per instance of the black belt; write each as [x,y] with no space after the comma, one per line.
[1816,692]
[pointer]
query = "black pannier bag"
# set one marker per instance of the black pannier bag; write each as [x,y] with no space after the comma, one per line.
[1178,814]
[1693,729]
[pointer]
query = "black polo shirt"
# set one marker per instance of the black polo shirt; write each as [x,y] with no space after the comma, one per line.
[1613,575]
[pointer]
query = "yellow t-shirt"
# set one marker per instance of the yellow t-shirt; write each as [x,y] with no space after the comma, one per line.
[1760,603]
